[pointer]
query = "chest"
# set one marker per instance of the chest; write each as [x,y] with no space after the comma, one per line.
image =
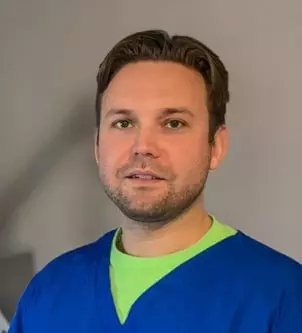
[187,299]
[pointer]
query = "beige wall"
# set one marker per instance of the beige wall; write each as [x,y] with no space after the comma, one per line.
[51,200]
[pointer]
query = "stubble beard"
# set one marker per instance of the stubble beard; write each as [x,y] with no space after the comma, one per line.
[162,210]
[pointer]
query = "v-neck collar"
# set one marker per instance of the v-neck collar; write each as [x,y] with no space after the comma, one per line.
[183,271]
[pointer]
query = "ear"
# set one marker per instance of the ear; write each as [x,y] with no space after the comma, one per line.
[219,147]
[96,147]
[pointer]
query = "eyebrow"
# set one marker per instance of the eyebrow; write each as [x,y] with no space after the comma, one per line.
[119,112]
[165,112]
[172,111]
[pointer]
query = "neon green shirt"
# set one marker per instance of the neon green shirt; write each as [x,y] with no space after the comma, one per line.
[132,276]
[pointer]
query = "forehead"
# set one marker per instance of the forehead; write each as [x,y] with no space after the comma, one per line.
[149,85]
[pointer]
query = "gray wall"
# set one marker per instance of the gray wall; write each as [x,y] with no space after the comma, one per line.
[51,200]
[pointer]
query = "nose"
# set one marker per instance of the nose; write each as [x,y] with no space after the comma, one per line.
[146,143]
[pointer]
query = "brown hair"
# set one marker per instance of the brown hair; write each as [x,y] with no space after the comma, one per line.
[157,45]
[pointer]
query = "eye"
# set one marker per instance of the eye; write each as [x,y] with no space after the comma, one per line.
[174,124]
[122,124]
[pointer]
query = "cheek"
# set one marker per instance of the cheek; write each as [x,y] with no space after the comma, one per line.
[112,156]
[191,162]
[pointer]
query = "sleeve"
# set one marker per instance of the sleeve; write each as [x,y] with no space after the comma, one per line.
[290,311]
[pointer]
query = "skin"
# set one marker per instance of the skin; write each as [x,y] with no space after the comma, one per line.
[154,117]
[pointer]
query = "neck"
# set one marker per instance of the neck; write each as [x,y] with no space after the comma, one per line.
[177,235]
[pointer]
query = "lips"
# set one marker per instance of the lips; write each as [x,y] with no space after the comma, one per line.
[144,175]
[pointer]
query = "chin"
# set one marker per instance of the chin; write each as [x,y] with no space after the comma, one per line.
[145,201]
[147,215]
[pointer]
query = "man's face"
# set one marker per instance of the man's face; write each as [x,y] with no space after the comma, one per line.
[153,152]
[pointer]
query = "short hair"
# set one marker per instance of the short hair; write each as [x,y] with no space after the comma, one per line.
[158,45]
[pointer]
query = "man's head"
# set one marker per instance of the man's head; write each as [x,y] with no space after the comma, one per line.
[160,110]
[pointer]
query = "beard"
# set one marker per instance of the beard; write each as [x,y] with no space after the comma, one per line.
[162,209]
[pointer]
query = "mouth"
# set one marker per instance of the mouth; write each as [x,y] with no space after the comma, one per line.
[144,176]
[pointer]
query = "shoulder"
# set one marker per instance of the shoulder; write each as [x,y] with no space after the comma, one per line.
[62,284]
[262,256]
[266,279]
[70,268]
[263,268]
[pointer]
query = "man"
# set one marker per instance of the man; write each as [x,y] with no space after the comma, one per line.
[170,267]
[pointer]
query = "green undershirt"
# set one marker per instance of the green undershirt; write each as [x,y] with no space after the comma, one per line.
[131,276]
